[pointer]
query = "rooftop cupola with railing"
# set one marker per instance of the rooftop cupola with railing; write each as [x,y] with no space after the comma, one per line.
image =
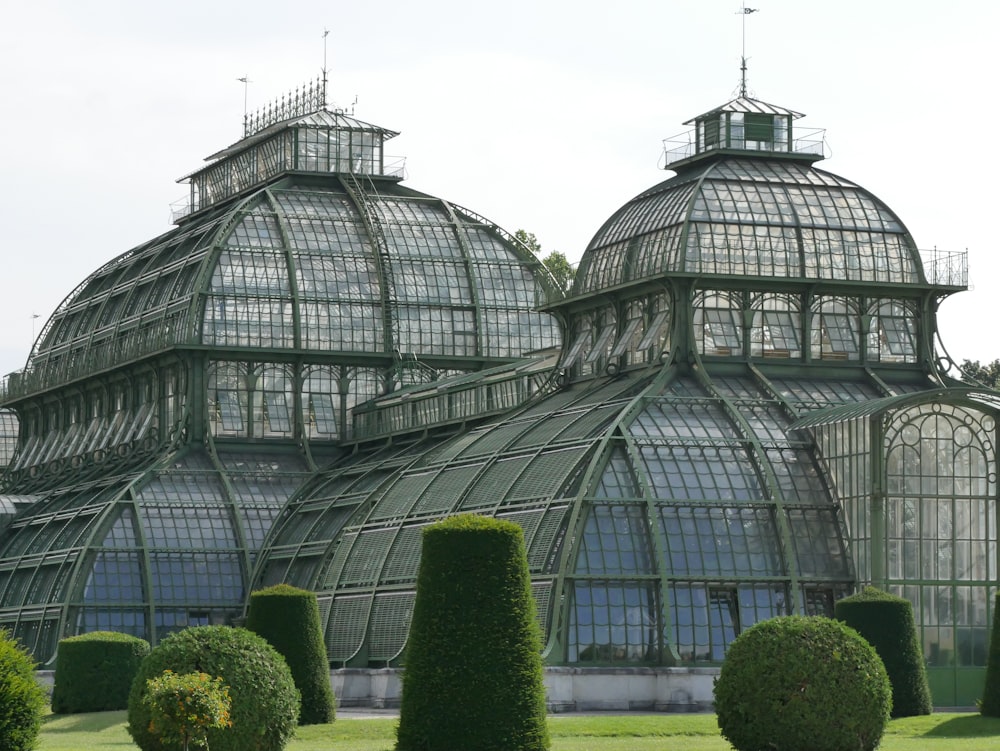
[743,126]
[295,133]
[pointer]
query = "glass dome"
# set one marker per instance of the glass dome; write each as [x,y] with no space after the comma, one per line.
[338,269]
[757,219]
[181,393]
[697,462]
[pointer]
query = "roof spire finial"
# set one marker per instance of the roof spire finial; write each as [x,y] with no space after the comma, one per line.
[744,12]
[245,80]
[326,33]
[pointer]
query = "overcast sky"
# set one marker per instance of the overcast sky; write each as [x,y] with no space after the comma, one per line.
[540,115]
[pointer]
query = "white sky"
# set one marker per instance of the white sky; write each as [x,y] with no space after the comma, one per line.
[542,115]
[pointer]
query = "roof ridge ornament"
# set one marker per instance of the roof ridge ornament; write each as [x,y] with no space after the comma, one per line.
[303,100]
[743,13]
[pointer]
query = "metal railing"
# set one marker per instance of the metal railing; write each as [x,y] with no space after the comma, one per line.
[946,268]
[684,145]
[393,166]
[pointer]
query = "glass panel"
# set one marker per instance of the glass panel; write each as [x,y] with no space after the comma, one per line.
[717,325]
[615,541]
[705,620]
[835,331]
[613,622]
[738,542]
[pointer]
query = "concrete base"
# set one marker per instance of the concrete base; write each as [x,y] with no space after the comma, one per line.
[567,689]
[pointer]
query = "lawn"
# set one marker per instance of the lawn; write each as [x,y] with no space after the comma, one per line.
[105,731]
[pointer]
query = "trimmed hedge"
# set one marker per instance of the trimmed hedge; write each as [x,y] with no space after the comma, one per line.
[990,705]
[94,671]
[288,617]
[473,677]
[796,682]
[265,702]
[886,621]
[22,700]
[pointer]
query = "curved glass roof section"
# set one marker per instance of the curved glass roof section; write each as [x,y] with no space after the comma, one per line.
[752,217]
[161,547]
[349,267]
[643,500]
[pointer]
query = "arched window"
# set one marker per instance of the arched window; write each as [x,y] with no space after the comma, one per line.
[277,399]
[940,526]
[717,323]
[892,333]
[228,398]
[322,411]
[777,328]
[834,334]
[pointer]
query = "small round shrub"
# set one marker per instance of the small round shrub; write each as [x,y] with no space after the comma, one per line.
[22,700]
[288,617]
[473,677]
[265,701]
[793,683]
[183,708]
[886,622]
[94,671]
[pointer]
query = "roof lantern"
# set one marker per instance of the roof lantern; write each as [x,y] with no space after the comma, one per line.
[295,133]
[744,126]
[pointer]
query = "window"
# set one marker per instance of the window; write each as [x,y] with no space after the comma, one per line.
[712,133]
[775,327]
[835,330]
[759,127]
[718,328]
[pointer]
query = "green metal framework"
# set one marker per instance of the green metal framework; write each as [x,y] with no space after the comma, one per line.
[671,488]
[748,415]
[181,394]
[926,514]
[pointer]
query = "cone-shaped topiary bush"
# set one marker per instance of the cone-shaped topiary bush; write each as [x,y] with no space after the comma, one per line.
[990,705]
[22,700]
[288,617]
[94,671]
[473,668]
[886,621]
[265,702]
[793,683]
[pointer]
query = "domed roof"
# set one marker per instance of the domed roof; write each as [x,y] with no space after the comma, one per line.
[337,265]
[752,217]
[748,202]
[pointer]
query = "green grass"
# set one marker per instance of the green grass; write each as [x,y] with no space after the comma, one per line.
[105,731]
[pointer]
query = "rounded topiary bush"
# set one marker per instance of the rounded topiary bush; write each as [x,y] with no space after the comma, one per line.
[793,683]
[288,617]
[22,700]
[990,704]
[265,702]
[473,668]
[886,622]
[94,671]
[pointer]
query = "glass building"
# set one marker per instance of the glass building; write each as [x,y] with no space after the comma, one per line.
[749,415]
[184,391]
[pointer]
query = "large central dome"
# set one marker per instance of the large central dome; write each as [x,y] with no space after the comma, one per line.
[185,390]
[332,266]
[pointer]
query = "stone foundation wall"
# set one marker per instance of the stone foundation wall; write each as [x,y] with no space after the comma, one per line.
[567,689]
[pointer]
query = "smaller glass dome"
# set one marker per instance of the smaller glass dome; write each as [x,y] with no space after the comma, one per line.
[747,202]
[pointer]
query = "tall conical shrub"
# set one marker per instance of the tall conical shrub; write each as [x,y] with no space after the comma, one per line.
[473,668]
[288,617]
[991,690]
[886,622]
